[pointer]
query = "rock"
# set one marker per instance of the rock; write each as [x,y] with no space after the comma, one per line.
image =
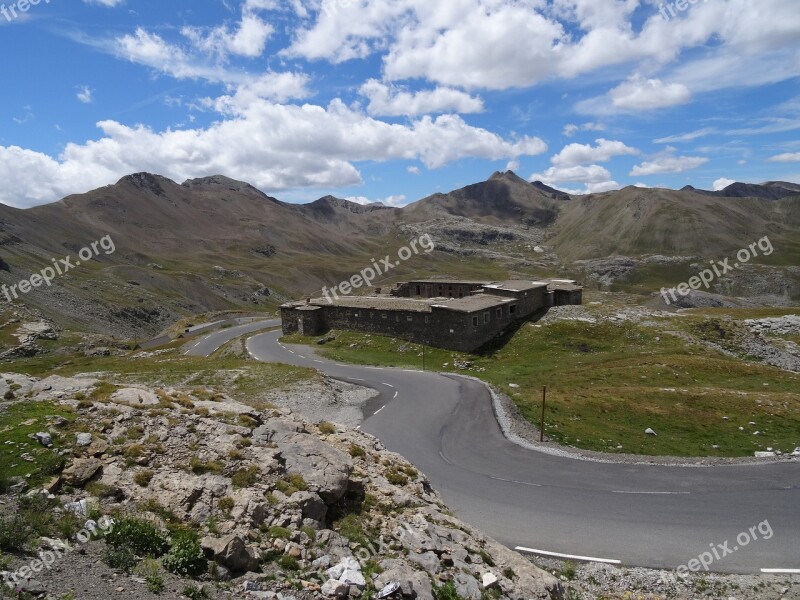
[44,438]
[80,508]
[312,506]
[231,551]
[333,588]
[348,563]
[649,431]
[354,577]
[135,397]
[322,466]
[489,580]
[83,439]
[764,454]
[81,471]
[412,584]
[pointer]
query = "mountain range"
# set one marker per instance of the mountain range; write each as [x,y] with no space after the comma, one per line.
[216,244]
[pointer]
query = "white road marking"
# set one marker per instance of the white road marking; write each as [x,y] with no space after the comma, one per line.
[379,410]
[395,395]
[444,458]
[515,481]
[411,371]
[292,351]
[341,365]
[318,361]
[651,493]
[387,384]
[356,379]
[782,571]
[610,561]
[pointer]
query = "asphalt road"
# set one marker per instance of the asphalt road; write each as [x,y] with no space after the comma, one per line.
[210,343]
[639,515]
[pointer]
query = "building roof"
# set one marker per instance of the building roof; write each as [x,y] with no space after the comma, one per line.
[373,302]
[515,285]
[473,303]
[448,281]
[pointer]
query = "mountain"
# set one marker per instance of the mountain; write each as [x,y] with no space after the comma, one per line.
[771,190]
[504,198]
[215,244]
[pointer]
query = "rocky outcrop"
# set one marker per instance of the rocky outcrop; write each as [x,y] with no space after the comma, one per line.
[281,499]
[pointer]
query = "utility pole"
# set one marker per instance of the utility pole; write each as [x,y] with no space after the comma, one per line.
[423,356]
[541,426]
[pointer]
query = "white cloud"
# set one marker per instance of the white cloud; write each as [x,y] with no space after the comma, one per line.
[413,170]
[647,94]
[398,200]
[109,3]
[686,137]
[385,100]
[579,154]
[85,94]
[272,146]
[571,129]
[576,174]
[786,157]
[667,162]
[513,165]
[722,183]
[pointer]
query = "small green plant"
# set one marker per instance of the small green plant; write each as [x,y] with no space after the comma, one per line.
[395,477]
[446,592]
[235,454]
[292,483]
[486,558]
[119,558]
[279,532]
[50,463]
[141,536]
[15,533]
[357,451]
[186,557]
[143,478]
[244,478]
[569,570]
[199,467]
[288,563]
[509,573]
[150,571]
[326,428]
[194,592]
[226,504]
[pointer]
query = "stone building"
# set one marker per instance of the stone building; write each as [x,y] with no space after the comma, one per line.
[465,317]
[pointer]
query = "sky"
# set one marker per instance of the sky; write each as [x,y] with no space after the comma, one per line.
[393,100]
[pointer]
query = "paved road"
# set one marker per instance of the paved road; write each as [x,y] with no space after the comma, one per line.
[651,516]
[210,343]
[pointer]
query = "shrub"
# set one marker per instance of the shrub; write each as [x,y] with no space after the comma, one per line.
[487,558]
[446,592]
[50,463]
[143,478]
[198,467]
[119,558]
[279,532]
[326,428]
[142,537]
[194,593]
[244,478]
[225,504]
[149,570]
[292,483]
[15,533]
[234,454]
[357,451]
[186,557]
[396,478]
[288,563]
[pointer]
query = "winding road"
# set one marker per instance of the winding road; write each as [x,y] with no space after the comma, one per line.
[635,515]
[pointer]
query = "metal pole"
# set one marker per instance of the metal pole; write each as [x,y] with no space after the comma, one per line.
[541,427]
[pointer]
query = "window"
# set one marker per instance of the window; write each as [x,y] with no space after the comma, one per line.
[356,315]
[474,321]
[512,309]
[426,318]
[499,313]
[409,318]
[419,291]
[384,315]
[486,317]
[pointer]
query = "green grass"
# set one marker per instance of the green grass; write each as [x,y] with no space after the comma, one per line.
[17,421]
[608,382]
[244,379]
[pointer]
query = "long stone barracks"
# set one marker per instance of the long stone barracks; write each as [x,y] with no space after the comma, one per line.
[456,315]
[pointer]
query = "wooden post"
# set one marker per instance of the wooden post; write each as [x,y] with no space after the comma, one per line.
[423,356]
[541,426]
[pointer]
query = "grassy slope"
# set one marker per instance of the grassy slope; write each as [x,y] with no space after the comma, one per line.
[608,382]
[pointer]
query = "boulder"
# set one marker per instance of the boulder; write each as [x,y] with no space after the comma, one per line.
[83,439]
[311,505]
[322,466]
[231,552]
[334,589]
[81,471]
[135,397]
[44,438]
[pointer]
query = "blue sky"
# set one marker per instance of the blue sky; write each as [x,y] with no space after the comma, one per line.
[393,100]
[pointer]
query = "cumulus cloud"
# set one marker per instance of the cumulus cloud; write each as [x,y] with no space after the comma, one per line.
[85,94]
[270,145]
[578,154]
[667,162]
[722,183]
[647,94]
[392,101]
